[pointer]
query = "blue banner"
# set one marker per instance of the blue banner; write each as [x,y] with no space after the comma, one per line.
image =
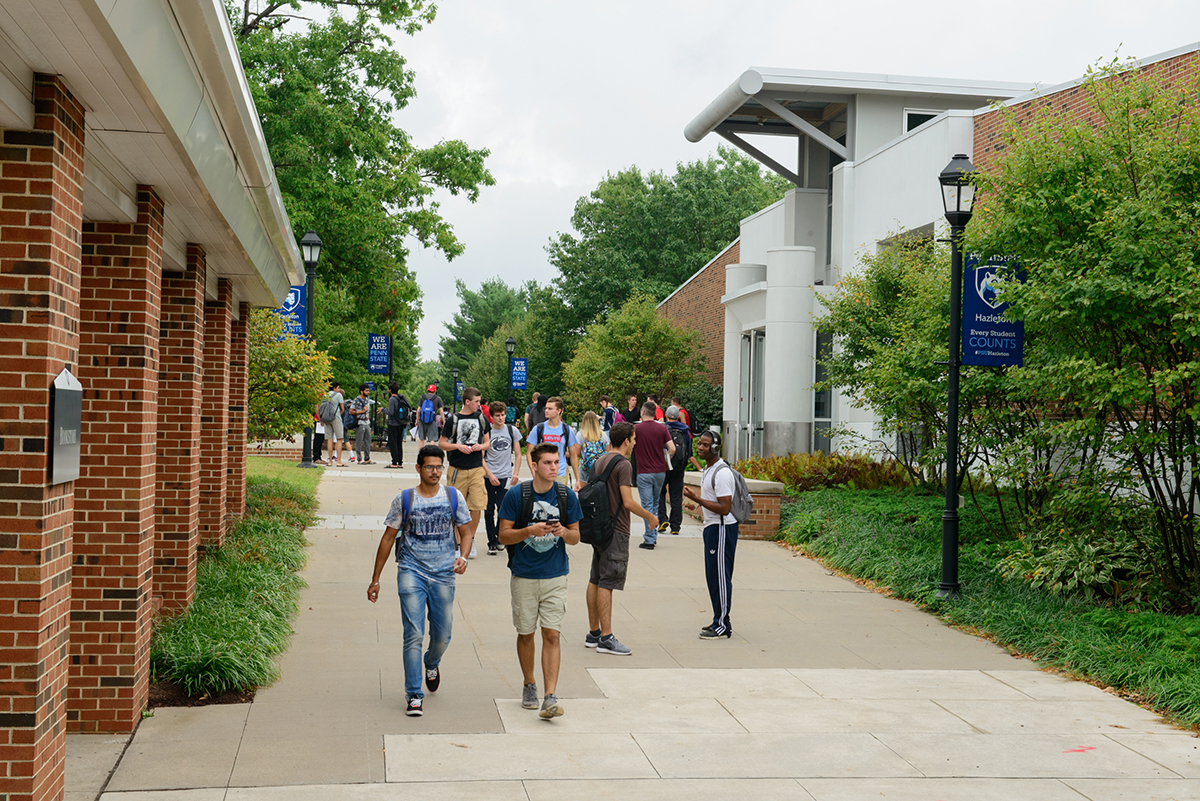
[988,337]
[458,390]
[520,369]
[379,353]
[294,311]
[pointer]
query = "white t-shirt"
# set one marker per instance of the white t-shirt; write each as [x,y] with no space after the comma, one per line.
[716,482]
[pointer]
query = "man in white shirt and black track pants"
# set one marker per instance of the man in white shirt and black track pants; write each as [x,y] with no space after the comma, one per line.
[720,531]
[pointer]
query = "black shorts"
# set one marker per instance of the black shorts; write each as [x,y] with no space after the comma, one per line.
[610,563]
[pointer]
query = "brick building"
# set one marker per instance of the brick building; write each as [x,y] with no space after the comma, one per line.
[869,150]
[696,304]
[139,223]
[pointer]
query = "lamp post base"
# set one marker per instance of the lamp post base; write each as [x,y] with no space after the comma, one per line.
[306,454]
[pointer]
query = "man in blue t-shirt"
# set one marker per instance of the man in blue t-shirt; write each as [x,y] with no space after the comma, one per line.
[558,433]
[540,534]
[427,560]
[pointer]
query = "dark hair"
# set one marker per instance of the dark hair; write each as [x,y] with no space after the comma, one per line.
[541,450]
[334,385]
[715,436]
[361,387]
[620,433]
[677,402]
[653,398]
[393,387]
[649,407]
[430,452]
[604,399]
[497,407]
[470,392]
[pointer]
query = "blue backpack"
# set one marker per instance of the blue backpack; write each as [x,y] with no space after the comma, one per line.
[428,413]
[406,509]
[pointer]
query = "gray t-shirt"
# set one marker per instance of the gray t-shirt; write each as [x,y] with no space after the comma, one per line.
[499,455]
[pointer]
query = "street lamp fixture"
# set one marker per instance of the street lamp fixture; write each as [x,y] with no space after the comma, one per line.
[454,372]
[510,345]
[310,251]
[958,197]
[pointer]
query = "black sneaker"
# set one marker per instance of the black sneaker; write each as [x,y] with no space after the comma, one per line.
[433,679]
[414,708]
[646,546]
[591,640]
[709,633]
[493,551]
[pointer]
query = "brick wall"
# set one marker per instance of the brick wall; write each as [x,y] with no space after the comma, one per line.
[41,205]
[1074,101]
[764,523]
[239,378]
[214,416]
[180,394]
[697,306]
[114,496]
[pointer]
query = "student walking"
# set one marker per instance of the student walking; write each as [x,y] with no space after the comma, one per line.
[427,560]
[608,414]
[672,489]
[720,532]
[466,436]
[397,418]
[502,468]
[593,444]
[360,412]
[558,433]
[540,518]
[650,452]
[429,409]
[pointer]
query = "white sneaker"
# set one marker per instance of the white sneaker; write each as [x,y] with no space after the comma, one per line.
[473,553]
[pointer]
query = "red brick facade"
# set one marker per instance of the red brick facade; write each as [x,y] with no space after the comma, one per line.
[41,206]
[180,393]
[114,496]
[1073,101]
[214,417]
[697,306]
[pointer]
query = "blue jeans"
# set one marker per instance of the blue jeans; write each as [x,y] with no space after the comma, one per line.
[416,594]
[649,488]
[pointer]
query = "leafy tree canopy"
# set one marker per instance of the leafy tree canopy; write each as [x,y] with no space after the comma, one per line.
[479,315]
[327,93]
[288,376]
[647,233]
[634,352]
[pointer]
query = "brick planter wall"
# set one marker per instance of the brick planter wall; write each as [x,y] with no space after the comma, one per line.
[767,497]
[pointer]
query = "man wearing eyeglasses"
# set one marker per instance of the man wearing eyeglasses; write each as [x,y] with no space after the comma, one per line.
[427,560]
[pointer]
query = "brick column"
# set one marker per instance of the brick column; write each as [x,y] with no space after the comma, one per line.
[214,416]
[41,202]
[239,377]
[111,605]
[180,395]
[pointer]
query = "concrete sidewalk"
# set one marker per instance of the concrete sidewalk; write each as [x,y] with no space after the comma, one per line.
[826,691]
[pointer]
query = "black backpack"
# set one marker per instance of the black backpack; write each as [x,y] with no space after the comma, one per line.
[527,511]
[596,528]
[683,449]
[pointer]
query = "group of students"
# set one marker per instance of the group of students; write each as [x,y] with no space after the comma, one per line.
[430,530]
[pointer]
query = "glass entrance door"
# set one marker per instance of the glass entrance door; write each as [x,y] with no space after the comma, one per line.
[741,443]
[757,360]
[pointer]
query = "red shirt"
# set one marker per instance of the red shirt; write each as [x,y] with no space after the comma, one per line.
[652,437]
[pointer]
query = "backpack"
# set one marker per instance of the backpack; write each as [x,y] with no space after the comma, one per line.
[406,508]
[592,451]
[694,424]
[428,413]
[527,511]
[327,411]
[742,505]
[596,528]
[683,449]
[349,421]
[541,427]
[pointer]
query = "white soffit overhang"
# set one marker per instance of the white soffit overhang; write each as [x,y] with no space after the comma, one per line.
[783,101]
[166,105]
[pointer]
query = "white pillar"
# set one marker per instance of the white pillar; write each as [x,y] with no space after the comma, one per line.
[737,278]
[788,402]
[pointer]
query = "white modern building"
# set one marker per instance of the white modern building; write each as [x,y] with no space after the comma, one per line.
[868,152]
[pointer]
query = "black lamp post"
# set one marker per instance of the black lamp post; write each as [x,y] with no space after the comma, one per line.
[957,197]
[510,345]
[310,252]
[454,372]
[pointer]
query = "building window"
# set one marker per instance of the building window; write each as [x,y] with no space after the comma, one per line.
[916,117]
[822,397]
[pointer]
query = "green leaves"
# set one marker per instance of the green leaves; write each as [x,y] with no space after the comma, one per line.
[288,376]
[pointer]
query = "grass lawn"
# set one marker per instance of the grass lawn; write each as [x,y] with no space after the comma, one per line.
[266,467]
[892,540]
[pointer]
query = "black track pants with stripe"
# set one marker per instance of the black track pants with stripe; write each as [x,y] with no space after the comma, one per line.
[720,544]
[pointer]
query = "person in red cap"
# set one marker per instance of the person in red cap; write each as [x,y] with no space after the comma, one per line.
[428,409]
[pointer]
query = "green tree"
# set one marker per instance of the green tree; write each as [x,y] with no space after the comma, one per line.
[1105,218]
[328,94]
[647,234]
[634,352]
[479,315]
[288,376]
[426,372]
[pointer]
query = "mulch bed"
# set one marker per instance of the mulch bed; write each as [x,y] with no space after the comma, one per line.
[168,693]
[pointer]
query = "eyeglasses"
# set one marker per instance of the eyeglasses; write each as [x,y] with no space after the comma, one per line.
[432,468]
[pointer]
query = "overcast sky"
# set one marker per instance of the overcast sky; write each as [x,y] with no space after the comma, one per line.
[564,92]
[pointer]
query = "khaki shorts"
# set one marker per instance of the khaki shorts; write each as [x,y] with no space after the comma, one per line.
[336,425]
[535,600]
[610,563]
[472,484]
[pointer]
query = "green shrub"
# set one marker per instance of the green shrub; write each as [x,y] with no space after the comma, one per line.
[802,472]
[246,598]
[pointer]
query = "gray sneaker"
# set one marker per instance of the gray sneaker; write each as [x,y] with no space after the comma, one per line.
[611,645]
[529,696]
[551,708]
